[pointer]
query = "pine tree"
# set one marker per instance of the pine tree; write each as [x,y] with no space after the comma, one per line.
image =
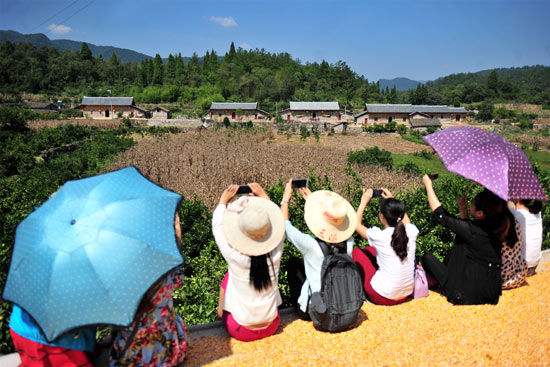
[158,70]
[85,53]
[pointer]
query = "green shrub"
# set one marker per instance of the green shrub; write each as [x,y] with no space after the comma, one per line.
[371,156]
[378,128]
[402,129]
[226,121]
[410,168]
[304,132]
[390,127]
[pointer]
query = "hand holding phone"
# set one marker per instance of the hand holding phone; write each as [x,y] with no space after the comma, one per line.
[299,182]
[244,189]
[377,193]
[433,176]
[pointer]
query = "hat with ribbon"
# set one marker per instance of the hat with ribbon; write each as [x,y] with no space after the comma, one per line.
[253,226]
[329,216]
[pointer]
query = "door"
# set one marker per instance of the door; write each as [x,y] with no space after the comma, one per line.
[106,113]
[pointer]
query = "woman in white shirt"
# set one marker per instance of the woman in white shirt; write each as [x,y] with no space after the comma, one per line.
[528,216]
[249,233]
[388,263]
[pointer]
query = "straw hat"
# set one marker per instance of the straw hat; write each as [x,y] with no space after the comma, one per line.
[329,216]
[253,225]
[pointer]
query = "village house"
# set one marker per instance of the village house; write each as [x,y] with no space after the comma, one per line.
[237,111]
[413,115]
[43,107]
[315,111]
[110,107]
[159,112]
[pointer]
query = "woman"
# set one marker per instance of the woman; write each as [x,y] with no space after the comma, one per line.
[528,216]
[332,220]
[73,349]
[388,263]
[472,271]
[249,233]
[158,336]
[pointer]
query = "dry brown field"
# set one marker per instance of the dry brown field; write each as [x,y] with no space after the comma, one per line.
[107,123]
[205,162]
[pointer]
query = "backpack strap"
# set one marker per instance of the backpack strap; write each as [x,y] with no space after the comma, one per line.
[341,247]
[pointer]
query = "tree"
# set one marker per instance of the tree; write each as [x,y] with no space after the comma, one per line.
[158,70]
[170,71]
[85,53]
[485,112]
[493,83]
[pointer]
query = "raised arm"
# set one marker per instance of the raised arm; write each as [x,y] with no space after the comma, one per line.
[365,199]
[432,197]
[286,199]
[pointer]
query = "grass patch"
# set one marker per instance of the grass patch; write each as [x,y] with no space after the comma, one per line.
[414,139]
[541,158]
[432,165]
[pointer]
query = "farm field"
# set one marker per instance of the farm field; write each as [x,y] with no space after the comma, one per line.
[204,163]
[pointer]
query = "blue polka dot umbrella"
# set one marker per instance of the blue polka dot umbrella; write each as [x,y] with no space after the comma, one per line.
[91,251]
[488,159]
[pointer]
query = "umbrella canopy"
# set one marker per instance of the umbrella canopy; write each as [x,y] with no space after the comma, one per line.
[90,252]
[488,159]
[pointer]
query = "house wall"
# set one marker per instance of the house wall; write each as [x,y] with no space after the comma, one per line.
[316,116]
[382,118]
[99,111]
[159,114]
[246,115]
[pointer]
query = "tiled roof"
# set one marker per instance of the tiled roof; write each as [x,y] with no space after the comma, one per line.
[234,105]
[314,106]
[425,122]
[458,109]
[432,109]
[108,101]
[389,108]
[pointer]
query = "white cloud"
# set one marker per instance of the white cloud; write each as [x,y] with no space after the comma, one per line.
[224,22]
[59,29]
[245,46]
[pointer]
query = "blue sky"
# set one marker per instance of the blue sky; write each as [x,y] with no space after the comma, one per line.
[418,39]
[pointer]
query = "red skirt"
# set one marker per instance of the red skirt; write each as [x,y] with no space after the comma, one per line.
[35,354]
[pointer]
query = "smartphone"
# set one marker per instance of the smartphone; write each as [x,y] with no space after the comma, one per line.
[299,182]
[244,189]
[377,193]
[433,176]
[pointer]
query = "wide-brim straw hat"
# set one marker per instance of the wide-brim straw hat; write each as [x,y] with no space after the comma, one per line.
[253,226]
[329,216]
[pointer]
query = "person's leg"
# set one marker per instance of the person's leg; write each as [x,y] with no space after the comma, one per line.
[364,262]
[245,334]
[434,268]
[223,286]
[296,277]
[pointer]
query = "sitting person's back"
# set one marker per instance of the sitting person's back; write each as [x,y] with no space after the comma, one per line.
[158,336]
[71,349]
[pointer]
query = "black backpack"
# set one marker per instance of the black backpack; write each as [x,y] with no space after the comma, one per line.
[336,306]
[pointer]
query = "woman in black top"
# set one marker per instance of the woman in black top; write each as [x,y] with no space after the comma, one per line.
[471,273]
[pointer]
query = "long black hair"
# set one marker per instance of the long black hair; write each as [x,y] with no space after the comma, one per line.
[498,219]
[393,211]
[259,271]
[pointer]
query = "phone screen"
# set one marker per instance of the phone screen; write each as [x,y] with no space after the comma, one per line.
[376,193]
[299,182]
[244,189]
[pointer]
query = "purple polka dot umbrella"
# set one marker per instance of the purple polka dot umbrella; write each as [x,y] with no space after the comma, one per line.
[489,160]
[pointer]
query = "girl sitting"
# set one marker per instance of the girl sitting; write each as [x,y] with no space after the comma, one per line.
[249,233]
[528,216]
[388,263]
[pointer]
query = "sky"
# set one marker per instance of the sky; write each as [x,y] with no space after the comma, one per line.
[383,39]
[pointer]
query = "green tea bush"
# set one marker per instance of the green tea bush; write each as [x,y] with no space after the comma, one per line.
[371,156]
[304,132]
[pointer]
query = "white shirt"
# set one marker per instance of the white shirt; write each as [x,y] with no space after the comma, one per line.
[393,279]
[248,306]
[531,235]
[313,260]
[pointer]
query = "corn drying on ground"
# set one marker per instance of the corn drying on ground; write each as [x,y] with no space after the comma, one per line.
[423,332]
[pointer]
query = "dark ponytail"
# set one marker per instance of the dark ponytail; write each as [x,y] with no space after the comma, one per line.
[498,219]
[393,211]
[259,271]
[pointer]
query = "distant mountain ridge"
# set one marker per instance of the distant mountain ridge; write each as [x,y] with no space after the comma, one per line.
[400,83]
[40,39]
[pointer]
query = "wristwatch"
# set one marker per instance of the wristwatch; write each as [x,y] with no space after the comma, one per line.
[283,202]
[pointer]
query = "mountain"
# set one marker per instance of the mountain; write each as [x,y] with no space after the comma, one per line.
[400,83]
[39,40]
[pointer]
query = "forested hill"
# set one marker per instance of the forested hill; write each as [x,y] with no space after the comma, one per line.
[40,39]
[246,76]
[400,83]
